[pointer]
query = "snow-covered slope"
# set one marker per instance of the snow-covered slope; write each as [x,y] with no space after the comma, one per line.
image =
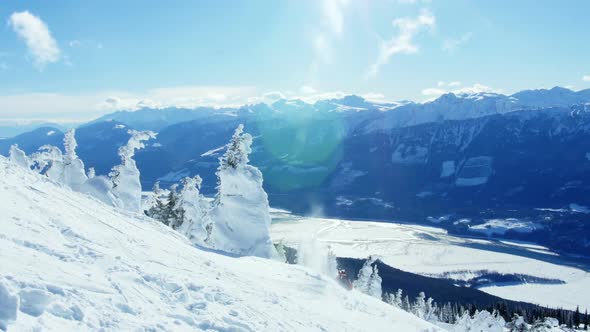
[69,262]
[433,252]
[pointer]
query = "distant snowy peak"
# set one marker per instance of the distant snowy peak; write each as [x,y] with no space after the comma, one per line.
[555,97]
[449,106]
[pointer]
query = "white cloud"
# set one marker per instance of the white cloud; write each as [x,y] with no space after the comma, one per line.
[374,96]
[268,97]
[333,12]
[454,88]
[57,107]
[433,92]
[451,44]
[403,43]
[86,43]
[450,84]
[82,107]
[331,27]
[36,35]
[307,90]
[586,78]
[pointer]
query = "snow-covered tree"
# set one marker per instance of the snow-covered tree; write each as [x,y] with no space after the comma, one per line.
[74,174]
[65,168]
[518,324]
[368,280]
[240,214]
[397,299]
[406,304]
[419,305]
[155,206]
[547,324]
[19,157]
[195,210]
[481,321]
[49,161]
[375,289]
[281,252]
[125,177]
[172,214]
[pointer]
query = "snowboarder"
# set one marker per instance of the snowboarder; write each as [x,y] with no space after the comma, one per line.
[343,279]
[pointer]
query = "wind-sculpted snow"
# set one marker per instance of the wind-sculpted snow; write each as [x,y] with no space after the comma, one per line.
[72,263]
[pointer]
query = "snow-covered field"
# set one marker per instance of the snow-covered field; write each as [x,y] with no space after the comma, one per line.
[71,263]
[431,251]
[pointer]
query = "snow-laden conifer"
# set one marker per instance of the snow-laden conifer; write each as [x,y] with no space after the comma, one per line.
[240,214]
[125,176]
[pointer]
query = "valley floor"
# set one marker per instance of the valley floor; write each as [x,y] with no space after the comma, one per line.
[432,251]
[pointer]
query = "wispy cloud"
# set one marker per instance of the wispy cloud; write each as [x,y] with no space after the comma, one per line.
[403,42]
[306,89]
[76,43]
[456,88]
[334,15]
[330,28]
[450,45]
[41,45]
[67,107]
[586,78]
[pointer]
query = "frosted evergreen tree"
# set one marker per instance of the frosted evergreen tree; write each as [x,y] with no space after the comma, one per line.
[430,310]
[398,299]
[368,280]
[19,157]
[518,324]
[125,177]
[406,304]
[375,289]
[156,206]
[240,214]
[419,305]
[74,174]
[172,214]
[463,323]
[281,252]
[195,210]
[49,161]
[364,276]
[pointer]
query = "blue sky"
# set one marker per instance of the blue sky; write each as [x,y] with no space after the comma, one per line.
[73,60]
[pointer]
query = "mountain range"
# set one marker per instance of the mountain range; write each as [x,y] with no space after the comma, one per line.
[460,161]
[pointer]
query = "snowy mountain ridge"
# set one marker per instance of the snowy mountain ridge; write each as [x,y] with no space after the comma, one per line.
[449,106]
[72,263]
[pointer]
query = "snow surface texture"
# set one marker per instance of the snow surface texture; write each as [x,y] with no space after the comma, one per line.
[72,263]
[431,251]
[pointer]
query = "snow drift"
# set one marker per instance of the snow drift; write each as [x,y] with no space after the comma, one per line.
[71,263]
